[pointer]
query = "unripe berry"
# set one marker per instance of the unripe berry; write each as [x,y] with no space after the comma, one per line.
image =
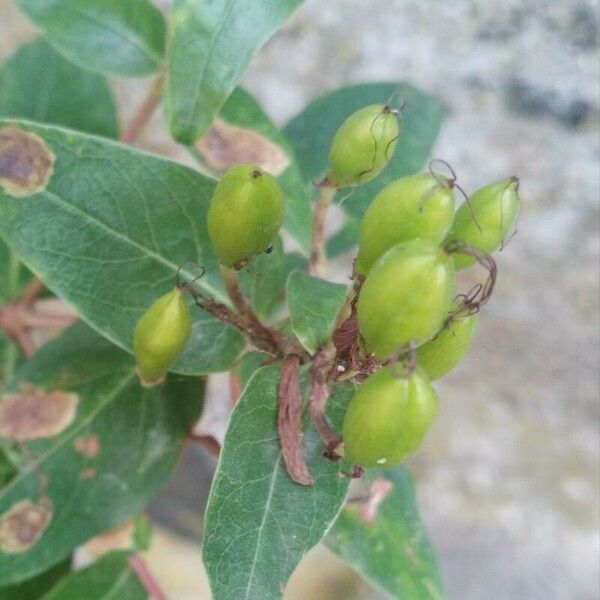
[388,418]
[362,146]
[420,206]
[495,208]
[405,297]
[441,354]
[245,214]
[161,334]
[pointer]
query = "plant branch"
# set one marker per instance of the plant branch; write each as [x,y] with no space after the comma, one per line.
[316,264]
[137,563]
[144,112]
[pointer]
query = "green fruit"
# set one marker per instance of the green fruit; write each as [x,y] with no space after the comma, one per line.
[161,334]
[405,297]
[441,354]
[496,208]
[388,418]
[420,206]
[245,215]
[362,146]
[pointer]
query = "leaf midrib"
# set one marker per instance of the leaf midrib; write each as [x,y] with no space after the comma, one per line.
[60,201]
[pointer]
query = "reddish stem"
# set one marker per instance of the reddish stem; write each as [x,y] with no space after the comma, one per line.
[316,264]
[144,112]
[136,562]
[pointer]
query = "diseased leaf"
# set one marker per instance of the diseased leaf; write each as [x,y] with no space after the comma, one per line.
[312,131]
[211,44]
[109,232]
[259,523]
[314,305]
[113,443]
[35,588]
[38,84]
[109,578]
[241,111]
[392,551]
[108,36]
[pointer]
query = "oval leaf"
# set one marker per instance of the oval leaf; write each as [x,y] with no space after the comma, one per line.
[211,45]
[92,460]
[387,544]
[35,588]
[110,577]
[109,233]
[38,84]
[312,131]
[259,523]
[108,36]
[314,305]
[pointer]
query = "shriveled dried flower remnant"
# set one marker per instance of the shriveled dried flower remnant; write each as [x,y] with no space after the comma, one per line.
[23,525]
[36,413]
[26,163]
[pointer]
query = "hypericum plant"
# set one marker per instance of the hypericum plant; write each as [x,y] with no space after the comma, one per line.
[177,273]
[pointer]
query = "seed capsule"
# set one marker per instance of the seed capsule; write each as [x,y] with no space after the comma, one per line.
[245,215]
[388,418]
[421,206]
[441,354]
[161,334]
[495,208]
[362,146]
[405,297]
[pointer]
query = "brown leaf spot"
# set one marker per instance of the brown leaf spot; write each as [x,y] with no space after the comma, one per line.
[87,473]
[23,525]
[411,555]
[35,413]
[26,163]
[88,446]
[116,538]
[226,145]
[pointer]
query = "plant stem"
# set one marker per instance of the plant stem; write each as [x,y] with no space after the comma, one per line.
[136,562]
[144,112]
[316,265]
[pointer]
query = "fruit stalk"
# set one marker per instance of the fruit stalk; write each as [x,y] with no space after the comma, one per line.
[316,265]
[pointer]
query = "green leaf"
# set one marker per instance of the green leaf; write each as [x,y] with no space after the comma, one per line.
[248,364]
[108,234]
[38,84]
[105,461]
[108,36]
[314,305]
[109,578]
[262,281]
[392,552]
[259,523]
[312,130]
[211,45]
[35,588]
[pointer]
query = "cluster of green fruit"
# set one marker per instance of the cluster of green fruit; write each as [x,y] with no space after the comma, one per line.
[411,243]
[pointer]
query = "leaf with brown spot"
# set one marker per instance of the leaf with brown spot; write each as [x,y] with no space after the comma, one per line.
[88,446]
[225,145]
[26,162]
[139,434]
[35,413]
[23,525]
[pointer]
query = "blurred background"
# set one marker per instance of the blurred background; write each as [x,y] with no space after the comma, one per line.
[508,481]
